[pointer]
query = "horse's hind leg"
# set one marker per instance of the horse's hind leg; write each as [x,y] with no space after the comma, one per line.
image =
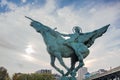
[53,64]
[70,70]
[81,63]
[73,62]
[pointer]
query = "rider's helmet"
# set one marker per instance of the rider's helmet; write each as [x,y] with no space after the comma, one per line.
[77,29]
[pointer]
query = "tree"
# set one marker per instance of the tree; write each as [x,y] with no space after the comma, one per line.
[3,74]
[33,76]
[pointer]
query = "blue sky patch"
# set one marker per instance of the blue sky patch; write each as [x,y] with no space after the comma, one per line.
[5,8]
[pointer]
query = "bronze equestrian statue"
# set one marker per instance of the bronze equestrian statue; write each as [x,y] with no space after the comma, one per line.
[76,47]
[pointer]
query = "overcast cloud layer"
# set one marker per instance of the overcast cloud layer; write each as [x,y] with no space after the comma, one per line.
[17,37]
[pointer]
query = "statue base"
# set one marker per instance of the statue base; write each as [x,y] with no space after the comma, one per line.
[67,78]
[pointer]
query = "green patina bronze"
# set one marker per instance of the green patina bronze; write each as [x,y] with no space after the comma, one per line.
[76,47]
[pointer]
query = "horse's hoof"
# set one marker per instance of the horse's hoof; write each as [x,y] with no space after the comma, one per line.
[73,73]
[66,74]
[62,72]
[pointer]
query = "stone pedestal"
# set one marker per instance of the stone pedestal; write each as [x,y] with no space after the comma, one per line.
[72,78]
[64,78]
[67,78]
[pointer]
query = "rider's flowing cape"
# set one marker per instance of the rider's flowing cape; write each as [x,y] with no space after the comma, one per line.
[89,38]
[96,33]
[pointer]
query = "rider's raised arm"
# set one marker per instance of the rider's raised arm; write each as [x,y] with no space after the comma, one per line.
[65,34]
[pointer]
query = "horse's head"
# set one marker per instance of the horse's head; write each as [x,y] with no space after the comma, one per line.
[36,26]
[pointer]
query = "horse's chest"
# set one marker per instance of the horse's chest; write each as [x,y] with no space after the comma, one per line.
[52,49]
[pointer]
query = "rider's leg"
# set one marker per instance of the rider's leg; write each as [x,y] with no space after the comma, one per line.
[78,51]
[76,48]
[53,64]
[82,52]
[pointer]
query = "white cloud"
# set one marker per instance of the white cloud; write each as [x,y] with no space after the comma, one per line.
[90,62]
[9,5]
[16,33]
[24,1]
[3,2]
[92,10]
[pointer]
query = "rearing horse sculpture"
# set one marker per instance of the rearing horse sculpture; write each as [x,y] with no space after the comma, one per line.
[57,48]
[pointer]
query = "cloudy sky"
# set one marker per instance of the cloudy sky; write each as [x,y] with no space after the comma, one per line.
[22,49]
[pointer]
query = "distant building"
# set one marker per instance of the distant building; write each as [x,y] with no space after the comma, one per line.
[81,73]
[87,75]
[100,71]
[101,74]
[47,71]
[44,71]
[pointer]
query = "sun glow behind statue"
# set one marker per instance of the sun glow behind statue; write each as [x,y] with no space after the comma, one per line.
[29,51]
[29,56]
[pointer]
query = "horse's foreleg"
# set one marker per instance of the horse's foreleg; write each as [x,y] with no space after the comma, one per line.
[53,64]
[59,57]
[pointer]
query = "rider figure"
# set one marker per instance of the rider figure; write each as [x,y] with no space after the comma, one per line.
[73,37]
[78,46]
[73,42]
